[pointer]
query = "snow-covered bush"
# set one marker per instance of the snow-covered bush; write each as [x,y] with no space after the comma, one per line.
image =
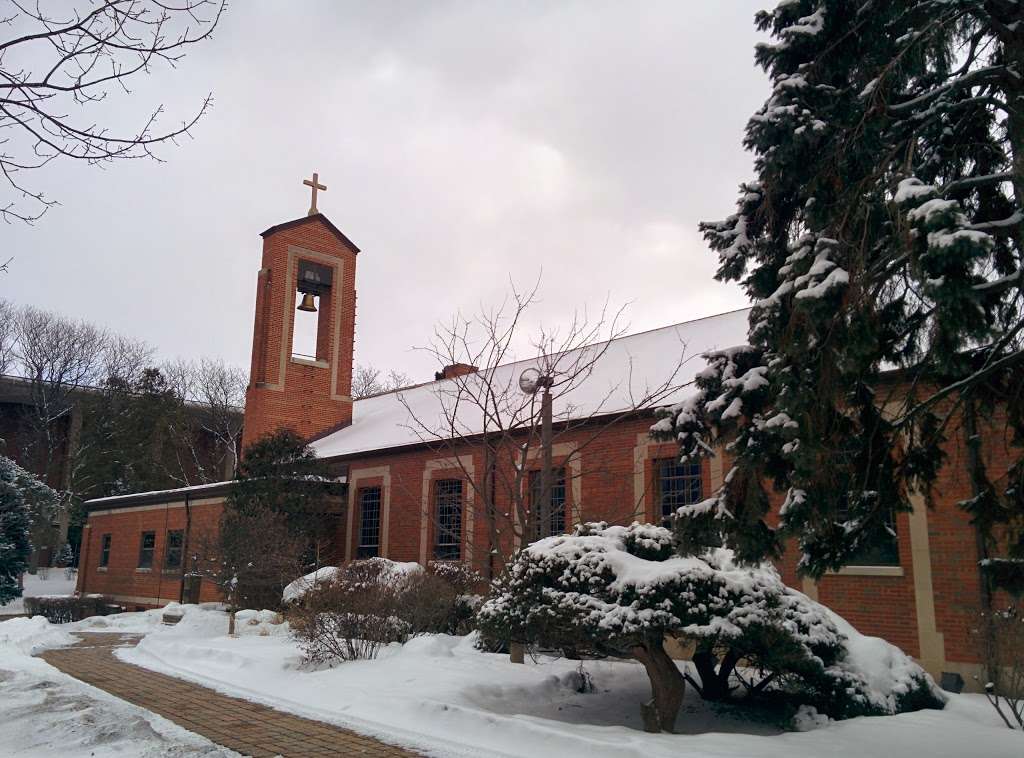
[466,584]
[350,615]
[349,612]
[615,590]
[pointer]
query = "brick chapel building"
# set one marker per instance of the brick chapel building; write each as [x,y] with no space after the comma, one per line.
[406,499]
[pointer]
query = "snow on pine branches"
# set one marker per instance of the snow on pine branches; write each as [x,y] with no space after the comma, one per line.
[20,493]
[622,591]
[882,232]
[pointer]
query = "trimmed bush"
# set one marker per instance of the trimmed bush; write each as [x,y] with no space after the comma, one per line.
[621,591]
[66,608]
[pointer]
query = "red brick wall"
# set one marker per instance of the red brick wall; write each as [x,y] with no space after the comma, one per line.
[304,401]
[606,485]
[122,579]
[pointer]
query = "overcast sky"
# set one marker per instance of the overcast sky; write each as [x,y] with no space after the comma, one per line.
[462,143]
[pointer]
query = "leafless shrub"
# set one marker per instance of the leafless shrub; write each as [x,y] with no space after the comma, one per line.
[369,604]
[1002,635]
[459,576]
[349,618]
[428,604]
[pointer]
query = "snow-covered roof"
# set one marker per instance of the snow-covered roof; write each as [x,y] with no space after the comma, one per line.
[210,489]
[629,369]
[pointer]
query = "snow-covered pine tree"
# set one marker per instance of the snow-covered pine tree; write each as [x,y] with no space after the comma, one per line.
[622,591]
[65,557]
[883,232]
[20,491]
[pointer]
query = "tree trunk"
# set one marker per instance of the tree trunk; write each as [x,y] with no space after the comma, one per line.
[714,682]
[667,687]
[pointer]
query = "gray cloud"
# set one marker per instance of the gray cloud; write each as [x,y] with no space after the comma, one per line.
[462,143]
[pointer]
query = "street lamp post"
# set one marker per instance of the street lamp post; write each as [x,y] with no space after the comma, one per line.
[530,382]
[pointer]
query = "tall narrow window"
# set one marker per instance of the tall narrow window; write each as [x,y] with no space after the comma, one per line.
[105,550]
[676,484]
[556,515]
[146,546]
[172,551]
[448,507]
[369,522]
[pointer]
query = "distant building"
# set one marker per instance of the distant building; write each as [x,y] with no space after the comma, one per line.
[55,455]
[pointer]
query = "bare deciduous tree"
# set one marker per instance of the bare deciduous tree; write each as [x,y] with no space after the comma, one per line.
[57,356]
[486,412]
[7,336]
[216,394]
[66,58]
[369,380]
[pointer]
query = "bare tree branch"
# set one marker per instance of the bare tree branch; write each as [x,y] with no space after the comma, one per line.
[483,417]
[63,59]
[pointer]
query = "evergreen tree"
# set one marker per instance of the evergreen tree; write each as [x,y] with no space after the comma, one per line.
[65,557]
[622,591]
[20,494]
[882,235]
[126,445]
[277,521]
[281,474]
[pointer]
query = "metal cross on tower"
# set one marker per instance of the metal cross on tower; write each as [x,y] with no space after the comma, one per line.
[315,184]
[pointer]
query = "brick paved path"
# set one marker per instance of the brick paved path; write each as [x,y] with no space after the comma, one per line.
[249,728]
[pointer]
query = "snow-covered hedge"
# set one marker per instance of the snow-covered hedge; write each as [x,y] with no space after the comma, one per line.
[618,590]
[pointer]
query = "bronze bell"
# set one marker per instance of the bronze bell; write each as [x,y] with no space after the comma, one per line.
[307,303]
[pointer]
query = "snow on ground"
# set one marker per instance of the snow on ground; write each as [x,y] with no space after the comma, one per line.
[441,695]
[44,712]
[435,693]
[36,585]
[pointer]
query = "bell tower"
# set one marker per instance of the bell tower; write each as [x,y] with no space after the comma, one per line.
[304,328]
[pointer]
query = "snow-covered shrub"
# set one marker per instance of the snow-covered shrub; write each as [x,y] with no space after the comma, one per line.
[349,612]
[466,583]
[615,590]
[349,616]
[462,578]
